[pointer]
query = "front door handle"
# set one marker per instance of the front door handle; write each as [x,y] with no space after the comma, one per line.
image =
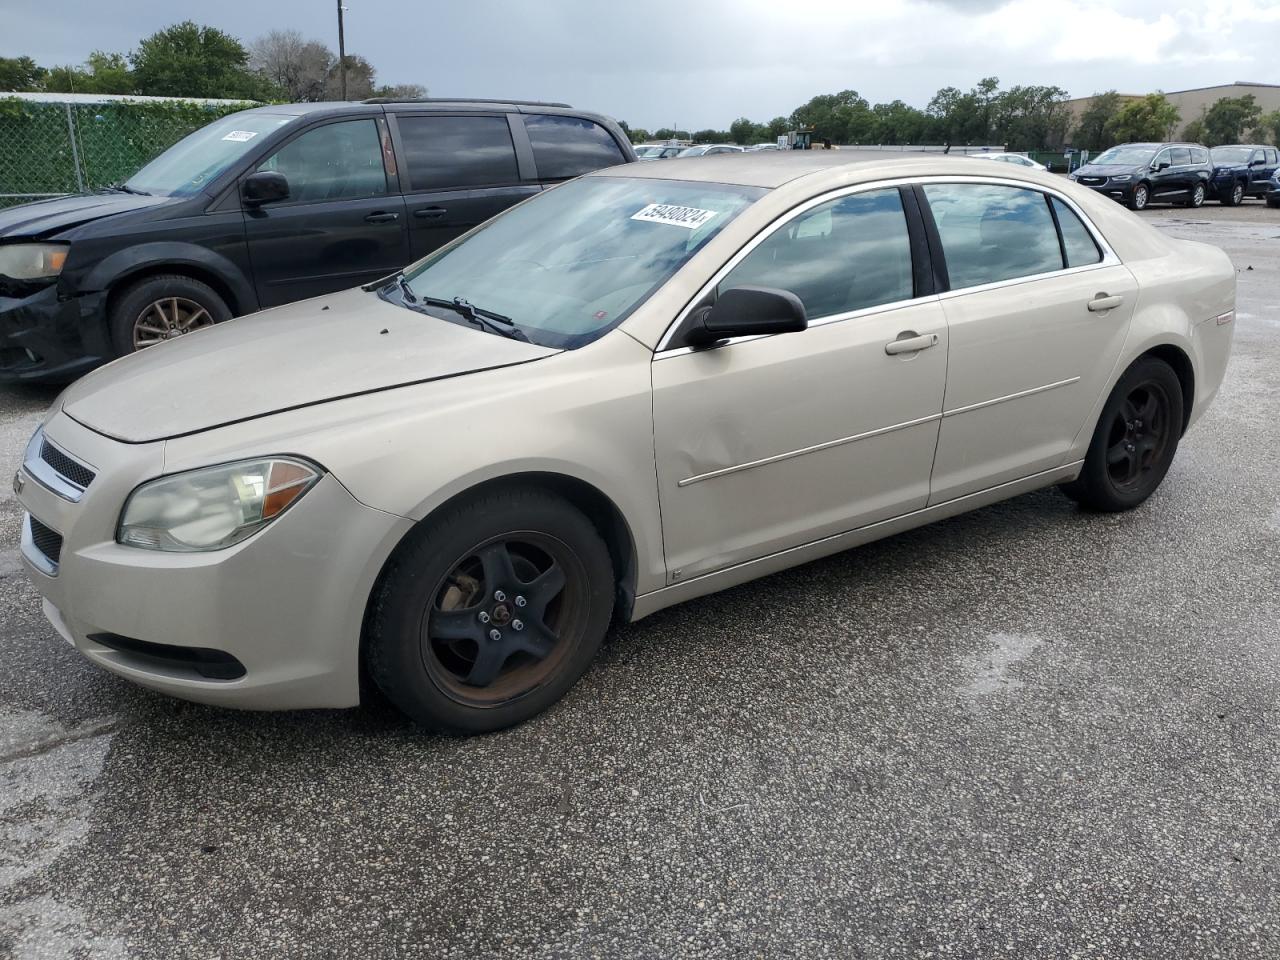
[381,217]
[430,213]
[1102,303]
[910,342]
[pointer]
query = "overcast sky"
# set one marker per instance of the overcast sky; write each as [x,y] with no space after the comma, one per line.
[701,63]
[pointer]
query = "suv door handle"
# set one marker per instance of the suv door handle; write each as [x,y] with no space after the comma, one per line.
[1102,303]
[909,342]
[430,213]
[381,217]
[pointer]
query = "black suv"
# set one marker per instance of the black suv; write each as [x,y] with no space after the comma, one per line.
[1241,170]
[268,206]
[1141,173]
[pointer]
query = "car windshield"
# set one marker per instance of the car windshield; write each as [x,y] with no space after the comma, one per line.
[692,151]
[189,165]
[1129,155]
[1231,154]
[573,262]
[649,151]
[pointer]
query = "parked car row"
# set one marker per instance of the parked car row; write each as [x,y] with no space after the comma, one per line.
[1138,174]
[269,206]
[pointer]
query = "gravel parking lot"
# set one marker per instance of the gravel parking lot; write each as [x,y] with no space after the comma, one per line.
[1025,731]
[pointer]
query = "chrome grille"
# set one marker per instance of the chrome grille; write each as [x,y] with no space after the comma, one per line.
[66,467]
[46,540]
[1092,181]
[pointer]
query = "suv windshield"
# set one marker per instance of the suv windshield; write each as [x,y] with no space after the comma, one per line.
[1231,154]
[1129,155]
[572,263]
[187,167]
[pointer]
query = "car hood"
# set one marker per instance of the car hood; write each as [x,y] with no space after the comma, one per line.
[293,356]
[1104,169]
[46,218]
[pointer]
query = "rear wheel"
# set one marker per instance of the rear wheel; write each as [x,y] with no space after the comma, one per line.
[491,612]
[1140,197]
[162,308]
[1134,441]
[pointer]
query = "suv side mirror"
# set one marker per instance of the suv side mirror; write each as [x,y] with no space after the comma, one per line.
[1162,165]
[747,312]
[1257,163]
[265,186]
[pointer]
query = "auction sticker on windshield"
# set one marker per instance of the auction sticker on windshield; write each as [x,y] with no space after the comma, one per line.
[690,217]
[240,136]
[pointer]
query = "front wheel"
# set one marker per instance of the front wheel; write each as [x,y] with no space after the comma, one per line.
[490,612]
[162,308]
[1235,196]
[1140,197]
[1134,441]
[1197,195]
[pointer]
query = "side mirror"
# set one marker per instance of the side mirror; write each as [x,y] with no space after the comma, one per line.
[1257,163]
[1162,165]
[748,312]
[265,186]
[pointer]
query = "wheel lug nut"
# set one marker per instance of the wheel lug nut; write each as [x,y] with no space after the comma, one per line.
[495,635]
[499,595]
[517,625]
[521,601]
[484,617]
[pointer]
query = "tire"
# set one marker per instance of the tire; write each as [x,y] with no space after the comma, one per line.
[1197,196]
[1126,463]
[1273,203]
[162,308]
[1234,197]
[447,591]
[1140,197]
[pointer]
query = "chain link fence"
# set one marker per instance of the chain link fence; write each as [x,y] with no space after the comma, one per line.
[48,149]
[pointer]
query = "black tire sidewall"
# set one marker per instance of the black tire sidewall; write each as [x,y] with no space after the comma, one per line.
[395,658]
[126,307]
[1095,488]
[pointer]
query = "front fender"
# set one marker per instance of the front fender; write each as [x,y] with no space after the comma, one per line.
[132,260]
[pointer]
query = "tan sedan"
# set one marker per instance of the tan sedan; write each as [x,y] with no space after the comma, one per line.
[642,386]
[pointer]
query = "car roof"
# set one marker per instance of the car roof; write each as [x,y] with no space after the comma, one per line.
[1245,146]
[773,168]
[425,104]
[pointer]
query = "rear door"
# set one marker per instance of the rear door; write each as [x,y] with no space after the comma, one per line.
[1031,350]
[343,223]
[459,170]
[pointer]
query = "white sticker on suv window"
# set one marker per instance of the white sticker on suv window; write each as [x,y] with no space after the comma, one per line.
[690,217]
[240,136]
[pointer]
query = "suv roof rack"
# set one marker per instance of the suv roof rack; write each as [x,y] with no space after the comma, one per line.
[517,103]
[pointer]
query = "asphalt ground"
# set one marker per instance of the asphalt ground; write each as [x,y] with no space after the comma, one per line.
[1028,731]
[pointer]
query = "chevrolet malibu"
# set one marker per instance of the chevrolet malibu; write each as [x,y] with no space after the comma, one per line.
[629,391]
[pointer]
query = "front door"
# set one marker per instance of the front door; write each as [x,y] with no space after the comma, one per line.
[769,443]
[459,171]
[1166,182]
[1036,327]
[342,224]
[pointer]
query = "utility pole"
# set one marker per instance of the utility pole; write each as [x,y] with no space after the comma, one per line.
[342,53]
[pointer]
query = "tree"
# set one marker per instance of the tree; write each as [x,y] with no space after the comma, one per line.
[778,127]
[1194,132]
[1230,118]
[190,60]
[1269,127]
[296,66]
[897,122]
[742,130]
[1091,133]
[401,91]
[360,75]
[1031,117]
[1151,117]
[666,133]
[20,74]
[103,73]
[843,117]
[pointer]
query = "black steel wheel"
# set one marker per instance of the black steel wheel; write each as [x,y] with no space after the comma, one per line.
[1134,441]
[490,612]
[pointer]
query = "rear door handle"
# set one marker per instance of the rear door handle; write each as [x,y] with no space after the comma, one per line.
[908,342]
[381,217]
[430,213]
[1102,303]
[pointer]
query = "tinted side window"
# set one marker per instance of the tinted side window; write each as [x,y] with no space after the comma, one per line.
[1258,155]
[339,161]
[1271,156]
[1164,156]
[443,152]
[992,233]
[843,255]
[1199,155]
[1077,243]
[568,146]
[1181,156]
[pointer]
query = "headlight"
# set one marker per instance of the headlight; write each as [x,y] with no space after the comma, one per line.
[32,261]
[213,507]
[1122,178]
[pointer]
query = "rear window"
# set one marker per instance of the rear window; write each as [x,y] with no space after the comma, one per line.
[566,147]
[1199,155]
[993,233]
[446,152]
[1181,156]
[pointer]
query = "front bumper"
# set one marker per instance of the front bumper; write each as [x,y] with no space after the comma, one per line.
[44,339]
[287,604]
[1116,191]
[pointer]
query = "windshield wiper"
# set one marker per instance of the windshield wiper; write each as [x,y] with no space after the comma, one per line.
[125,188]
[486,319]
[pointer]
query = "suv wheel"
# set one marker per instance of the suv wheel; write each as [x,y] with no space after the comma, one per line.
[1197,195]
[1140,197]
[1235,197]
[163,308]
[490,612]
